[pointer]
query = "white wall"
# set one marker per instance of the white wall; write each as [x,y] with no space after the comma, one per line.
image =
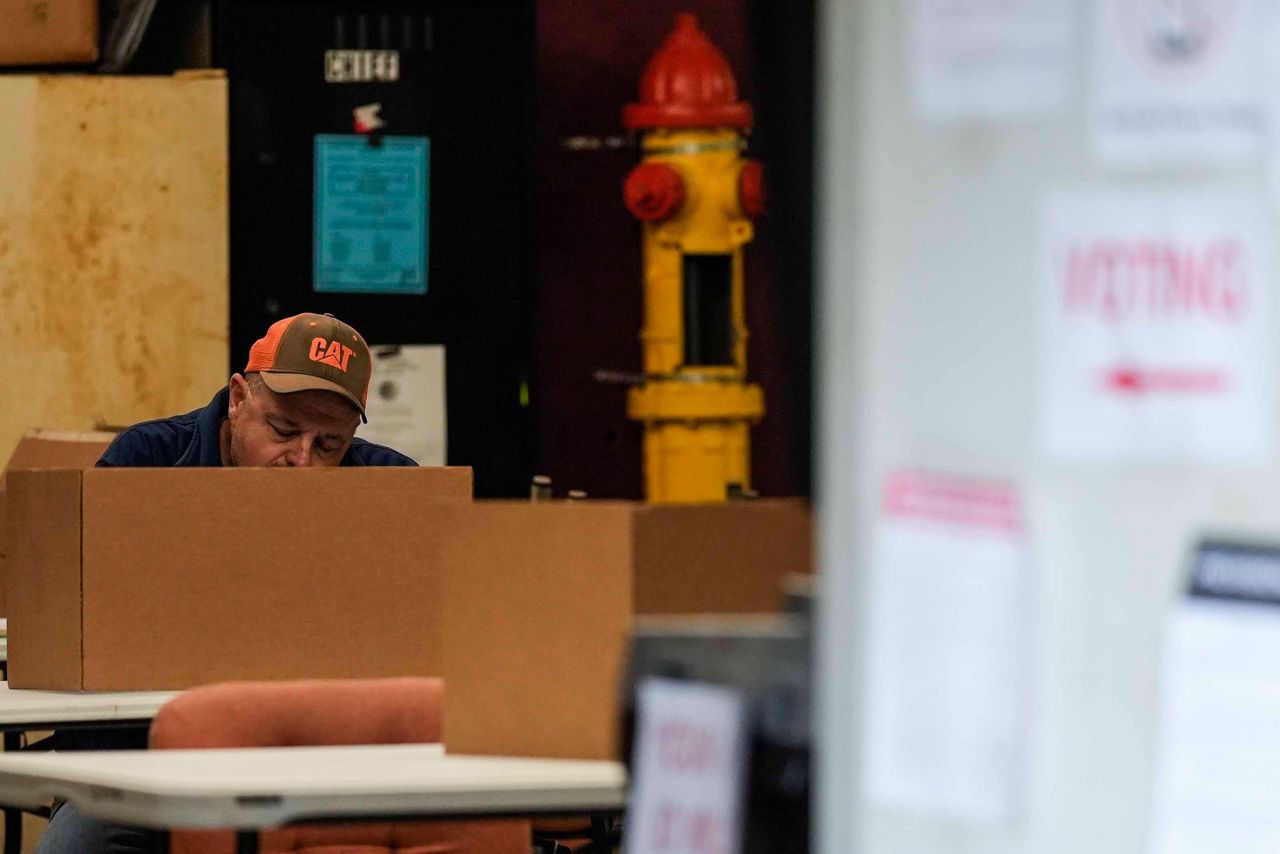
[927,246]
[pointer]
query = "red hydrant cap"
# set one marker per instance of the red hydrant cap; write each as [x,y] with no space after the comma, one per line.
[653,191]
[687,83]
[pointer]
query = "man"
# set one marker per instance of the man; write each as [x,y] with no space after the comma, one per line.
[298,403]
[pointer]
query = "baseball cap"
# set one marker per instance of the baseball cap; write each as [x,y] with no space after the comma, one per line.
[313,352]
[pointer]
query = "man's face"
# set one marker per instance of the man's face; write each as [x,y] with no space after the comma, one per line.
[303,428]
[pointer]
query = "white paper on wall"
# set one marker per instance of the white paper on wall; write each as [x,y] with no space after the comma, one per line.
[690,770]
[1155,342]
[406,406]
[1180,82]
[1272,159]
[951,649]
[990,58]
[1217,779]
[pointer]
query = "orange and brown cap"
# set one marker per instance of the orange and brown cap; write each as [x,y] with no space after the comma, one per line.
[313,352]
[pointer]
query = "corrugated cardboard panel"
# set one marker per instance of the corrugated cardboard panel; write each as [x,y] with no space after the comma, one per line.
[44,578]
[51,449]
[199,575]
[535,621]
[113,248]
[45,32]
[41,449]
[721,558]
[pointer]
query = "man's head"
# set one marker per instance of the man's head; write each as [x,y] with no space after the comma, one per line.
[301,396]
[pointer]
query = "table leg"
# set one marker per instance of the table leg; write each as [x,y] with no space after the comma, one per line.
[246,842]
[600,834]
[12,817]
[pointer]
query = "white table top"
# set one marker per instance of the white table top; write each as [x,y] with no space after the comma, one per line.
[21,706]
[268,787]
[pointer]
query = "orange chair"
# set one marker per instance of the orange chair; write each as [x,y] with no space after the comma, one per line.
[326,712]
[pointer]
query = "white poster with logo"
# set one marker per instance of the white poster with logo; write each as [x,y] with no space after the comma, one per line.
[1180,81]
[406,405]
[952,640]
[990,58]
[1155,328]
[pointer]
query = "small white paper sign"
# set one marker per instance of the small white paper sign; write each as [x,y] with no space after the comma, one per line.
[1155,318]
[951,645]
[689,770]
[406,406]
[990,58]
[1180,81]
[1217,784]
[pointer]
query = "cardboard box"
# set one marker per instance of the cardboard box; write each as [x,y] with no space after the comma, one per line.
[537,611]
[40,449]
[168,578]
[48,32]
[539,599]
[719,558]
[151,579]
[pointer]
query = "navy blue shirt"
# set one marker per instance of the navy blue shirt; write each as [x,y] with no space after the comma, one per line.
[193,440]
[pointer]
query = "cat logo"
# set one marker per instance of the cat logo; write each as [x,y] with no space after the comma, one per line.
[333,353]
[361,66]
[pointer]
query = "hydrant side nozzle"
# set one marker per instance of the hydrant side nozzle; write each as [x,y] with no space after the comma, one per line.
[653,191]
[752,191]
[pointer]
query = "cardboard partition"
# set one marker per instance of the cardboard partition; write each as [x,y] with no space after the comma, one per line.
[166,578]
[719,558]
[539,600]
[536,617]
[149,579]
[41,32]
[46,449]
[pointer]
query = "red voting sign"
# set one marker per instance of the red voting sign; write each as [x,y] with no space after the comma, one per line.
[689,770]
[1154,340]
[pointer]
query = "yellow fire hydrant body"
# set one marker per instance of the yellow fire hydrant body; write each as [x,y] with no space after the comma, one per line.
[696,195]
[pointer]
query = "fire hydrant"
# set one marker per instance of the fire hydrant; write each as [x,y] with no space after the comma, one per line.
[696,196]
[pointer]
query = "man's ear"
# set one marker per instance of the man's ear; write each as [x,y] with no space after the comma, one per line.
[239,394]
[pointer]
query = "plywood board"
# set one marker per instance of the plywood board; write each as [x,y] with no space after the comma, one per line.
[113,249]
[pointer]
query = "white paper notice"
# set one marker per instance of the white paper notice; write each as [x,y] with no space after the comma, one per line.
[689,770]
[1180,81]
[1217,785]
[990,58]
[1272,160]
[406,406]
[951,645]
[1155,342]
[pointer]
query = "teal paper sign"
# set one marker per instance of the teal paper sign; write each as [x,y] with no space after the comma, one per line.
[371,205]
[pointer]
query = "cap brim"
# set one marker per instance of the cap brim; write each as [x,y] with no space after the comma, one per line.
[286,383]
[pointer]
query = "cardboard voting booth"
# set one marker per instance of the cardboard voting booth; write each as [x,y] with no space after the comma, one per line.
[169,578]
[539,600]
[134,579]
[46,449]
